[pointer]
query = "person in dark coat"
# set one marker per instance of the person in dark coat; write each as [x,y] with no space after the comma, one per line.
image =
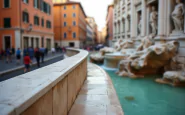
[37,56]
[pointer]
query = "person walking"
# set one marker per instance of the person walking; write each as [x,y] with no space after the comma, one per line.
[25,51]
[42,53]
[18,56]
[8,55]
[37,56]
[13,51]
[31,52]
[27,62]
[2,53]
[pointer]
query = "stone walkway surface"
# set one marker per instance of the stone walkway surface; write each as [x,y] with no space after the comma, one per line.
[97,96]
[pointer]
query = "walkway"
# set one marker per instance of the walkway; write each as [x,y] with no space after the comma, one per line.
[11,66]
[97,96]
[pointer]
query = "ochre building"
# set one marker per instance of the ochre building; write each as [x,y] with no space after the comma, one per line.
[26,23]
[69,24]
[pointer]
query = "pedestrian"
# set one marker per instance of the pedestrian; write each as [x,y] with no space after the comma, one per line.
[1,54]
[53,50]
[37,56]
[42,53]
[46,51]
[27,62]
[18,56]
[8,55]
[25,51]
[13,51]
[31,52]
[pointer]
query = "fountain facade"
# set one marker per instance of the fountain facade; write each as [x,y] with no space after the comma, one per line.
[158,47]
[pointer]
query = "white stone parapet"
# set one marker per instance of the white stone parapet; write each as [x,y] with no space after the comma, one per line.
[45,90]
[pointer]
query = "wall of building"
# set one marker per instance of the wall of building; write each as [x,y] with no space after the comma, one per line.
[15,12]
[69,29]
[109,23]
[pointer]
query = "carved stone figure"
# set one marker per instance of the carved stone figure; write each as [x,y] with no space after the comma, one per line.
[178,16]
[153,21]
[151,60]
[99,57]
[139,25]
[145,43]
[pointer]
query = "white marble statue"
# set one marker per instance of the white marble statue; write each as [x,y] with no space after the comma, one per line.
[153,21]
[178,16]
[139,25]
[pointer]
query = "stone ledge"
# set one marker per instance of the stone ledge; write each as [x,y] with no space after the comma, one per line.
[19,93]
[97,95]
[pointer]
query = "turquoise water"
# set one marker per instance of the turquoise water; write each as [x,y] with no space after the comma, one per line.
[146,97]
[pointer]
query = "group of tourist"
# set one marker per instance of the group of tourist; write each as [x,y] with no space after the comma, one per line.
[27,53]
[8,53]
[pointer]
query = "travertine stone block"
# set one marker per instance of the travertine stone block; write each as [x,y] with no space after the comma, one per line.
[60,98]
[71,88]
[41,107]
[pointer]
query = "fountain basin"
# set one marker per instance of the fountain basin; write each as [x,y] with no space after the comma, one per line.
[111,60]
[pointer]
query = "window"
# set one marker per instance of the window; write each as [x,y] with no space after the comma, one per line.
[74,15]
[46,8]
[65,35]
[6,3]
[42,22]
[74,35]
[36,20]
[48,24]
[36,3]
[65,24]
[74,23]
[41,5]
[25,17]
[7,22]
[65,15]
[26,1]
[74,6]
[65,8]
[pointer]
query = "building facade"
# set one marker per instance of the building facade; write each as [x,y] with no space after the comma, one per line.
[69,24]
[104,34]
[89,35]
[161,19]
[94,26]
[26,23]
[109,24]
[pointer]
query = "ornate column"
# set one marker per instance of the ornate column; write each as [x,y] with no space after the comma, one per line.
[133,31]
[29,41]
[161,18]
[148,20]
[143,27]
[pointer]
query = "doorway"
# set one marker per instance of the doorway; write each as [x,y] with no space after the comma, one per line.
[7,42]
[49,44]
[32,42]
[71,44]
[26,42]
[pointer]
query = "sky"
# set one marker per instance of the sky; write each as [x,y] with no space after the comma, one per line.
[96,9]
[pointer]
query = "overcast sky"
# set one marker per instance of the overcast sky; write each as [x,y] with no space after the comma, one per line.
[96,9]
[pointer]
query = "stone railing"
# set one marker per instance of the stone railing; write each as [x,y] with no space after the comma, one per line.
[50,90]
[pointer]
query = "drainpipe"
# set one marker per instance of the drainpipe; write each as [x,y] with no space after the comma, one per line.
[60,26]
[21,47]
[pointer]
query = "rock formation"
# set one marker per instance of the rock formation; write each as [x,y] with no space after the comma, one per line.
[151,60]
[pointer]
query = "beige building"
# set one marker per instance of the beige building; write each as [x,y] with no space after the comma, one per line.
[163,19]
[104,34]
[94,26]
